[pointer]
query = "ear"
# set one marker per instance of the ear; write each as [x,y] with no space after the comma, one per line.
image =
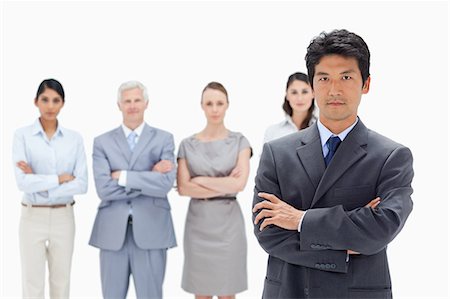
[146,104]
[118,105]
[36,102]
[366,86]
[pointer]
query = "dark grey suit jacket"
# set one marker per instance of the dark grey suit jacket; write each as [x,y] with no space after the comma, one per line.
[313,263]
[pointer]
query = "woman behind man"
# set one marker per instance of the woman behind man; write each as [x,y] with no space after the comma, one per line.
[213,166]
[298,106]
[50,168]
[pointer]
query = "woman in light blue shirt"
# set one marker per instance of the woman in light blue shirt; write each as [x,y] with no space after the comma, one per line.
[50,168]
[299,108]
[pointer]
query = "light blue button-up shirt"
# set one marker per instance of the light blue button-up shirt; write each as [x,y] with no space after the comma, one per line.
[63,153]
[325,134]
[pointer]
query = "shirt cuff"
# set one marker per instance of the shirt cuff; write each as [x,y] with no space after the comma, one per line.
[122,178]
[301,221]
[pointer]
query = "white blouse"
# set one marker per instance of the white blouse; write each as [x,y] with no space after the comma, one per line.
[283,128]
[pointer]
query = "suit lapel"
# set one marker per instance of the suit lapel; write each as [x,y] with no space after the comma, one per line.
[311,157]
[351,150]
[121,141]
[144,139]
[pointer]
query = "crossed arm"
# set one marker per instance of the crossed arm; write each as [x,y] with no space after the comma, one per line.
[274,211]
[62,178]
[204,187]
[366,230]
[50,185]
[155,182]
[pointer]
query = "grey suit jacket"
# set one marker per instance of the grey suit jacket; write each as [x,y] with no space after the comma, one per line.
[314,261]
[145,192]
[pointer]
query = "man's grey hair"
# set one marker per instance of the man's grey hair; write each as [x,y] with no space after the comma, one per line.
[131,85]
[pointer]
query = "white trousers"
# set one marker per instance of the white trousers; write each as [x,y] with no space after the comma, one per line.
[46,234]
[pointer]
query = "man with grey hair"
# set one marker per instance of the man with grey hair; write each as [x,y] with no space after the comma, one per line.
[134,169]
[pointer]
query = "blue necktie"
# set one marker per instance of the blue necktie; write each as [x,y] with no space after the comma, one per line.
[131,139]
[333,144]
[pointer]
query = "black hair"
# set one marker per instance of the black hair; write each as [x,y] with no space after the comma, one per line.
[52,84]
[339,42]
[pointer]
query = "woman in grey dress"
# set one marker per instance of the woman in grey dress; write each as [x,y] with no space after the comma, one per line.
[213,166]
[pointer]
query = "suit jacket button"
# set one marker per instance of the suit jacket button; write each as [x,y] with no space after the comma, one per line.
[317,266]
[328,266]
[333,266]
[313,246]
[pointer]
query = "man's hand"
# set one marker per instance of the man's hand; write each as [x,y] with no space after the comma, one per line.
[276,212]
[163,166]
[24,167]
[373,203]
[65,177]
[115,174]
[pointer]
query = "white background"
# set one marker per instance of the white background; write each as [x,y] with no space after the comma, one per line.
[175,48]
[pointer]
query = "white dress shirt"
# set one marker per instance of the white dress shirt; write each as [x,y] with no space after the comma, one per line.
[283,128]
[63,153]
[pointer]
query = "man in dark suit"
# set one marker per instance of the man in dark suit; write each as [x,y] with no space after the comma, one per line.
[313,208]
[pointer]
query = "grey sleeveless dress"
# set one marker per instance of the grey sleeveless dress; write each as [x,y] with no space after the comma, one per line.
[215,246]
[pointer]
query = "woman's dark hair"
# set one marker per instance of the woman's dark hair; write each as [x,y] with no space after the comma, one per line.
[217,86]
[340,42]
[287,107]
[52,84]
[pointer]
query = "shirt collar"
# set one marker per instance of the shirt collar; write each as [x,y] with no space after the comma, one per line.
[325,134]
[289,122]
[37,128]
[127,131]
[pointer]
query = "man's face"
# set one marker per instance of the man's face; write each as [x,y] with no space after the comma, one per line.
[338,88]
[133,105]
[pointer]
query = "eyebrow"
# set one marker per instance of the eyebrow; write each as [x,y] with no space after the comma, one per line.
[348,71]
[341,73]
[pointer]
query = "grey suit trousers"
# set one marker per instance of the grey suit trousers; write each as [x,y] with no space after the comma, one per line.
[146,266]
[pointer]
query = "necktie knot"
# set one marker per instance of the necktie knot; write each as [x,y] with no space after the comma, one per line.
[332,144]
[132,140]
